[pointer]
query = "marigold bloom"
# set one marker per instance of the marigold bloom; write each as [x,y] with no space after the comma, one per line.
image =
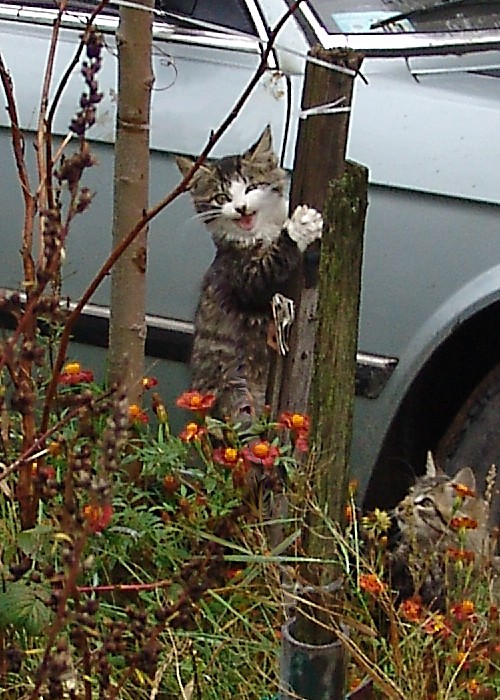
[97,516]
[136,414]
[411,609]
[372,584]
[192,432]
[464,523]
[72,374]
[463,611]
[194,401]
[460,554]
[464,491]
[261,452]
[227,456]
[149,382]
[436,624]
[294,421]
[299,425]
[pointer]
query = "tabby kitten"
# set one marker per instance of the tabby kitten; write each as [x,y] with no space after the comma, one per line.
[241,199]
[441,516]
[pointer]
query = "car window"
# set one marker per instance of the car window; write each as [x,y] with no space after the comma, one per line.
[357,16]
[227,13]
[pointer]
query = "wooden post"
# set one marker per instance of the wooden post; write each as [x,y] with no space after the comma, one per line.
[318,373]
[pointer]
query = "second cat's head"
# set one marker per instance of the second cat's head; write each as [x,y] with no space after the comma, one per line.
[241,197]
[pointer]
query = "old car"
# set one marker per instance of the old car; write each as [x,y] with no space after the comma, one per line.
[424,120]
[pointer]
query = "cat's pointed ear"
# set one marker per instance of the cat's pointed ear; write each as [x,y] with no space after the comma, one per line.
[465,477]
[430,465]
[184,164]
[263,147]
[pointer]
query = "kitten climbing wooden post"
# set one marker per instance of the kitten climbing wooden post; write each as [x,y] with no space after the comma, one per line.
[318,373]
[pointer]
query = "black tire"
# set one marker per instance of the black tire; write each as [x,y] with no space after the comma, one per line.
[473,439]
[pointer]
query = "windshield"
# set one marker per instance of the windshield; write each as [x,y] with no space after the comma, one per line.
[356,17]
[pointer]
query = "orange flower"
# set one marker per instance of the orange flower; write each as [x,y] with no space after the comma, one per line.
[464,491]
[72,374]
[149,382]
[294,421]
[463,611]
[463,523]
[228,456]
[261,452]
[194,401]
[460,554]
[136,414]
[436,624]
[299,425]
[372,584]
[411,609]
[97,516]
[192,432]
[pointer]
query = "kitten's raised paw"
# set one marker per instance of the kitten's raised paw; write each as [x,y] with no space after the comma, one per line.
[305,226]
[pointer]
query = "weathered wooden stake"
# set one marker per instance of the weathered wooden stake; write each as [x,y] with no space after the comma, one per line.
[318,374]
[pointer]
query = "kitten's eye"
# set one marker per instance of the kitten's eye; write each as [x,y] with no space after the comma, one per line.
[424,501]
[221,198]
[251,187]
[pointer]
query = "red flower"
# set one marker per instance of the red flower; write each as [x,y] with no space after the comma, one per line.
[227,456]
[463,523]
[261,452]
[149,382]
[372,584]
[194,401]
[298,422]
[192,432]
[73,374]
[411,609]
[136,414]
[460,554]
[97,516]
[299,425]
[463,611]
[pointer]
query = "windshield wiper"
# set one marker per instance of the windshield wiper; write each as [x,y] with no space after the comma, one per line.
[424,11]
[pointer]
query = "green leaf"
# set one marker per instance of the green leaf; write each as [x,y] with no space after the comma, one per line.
[22,607]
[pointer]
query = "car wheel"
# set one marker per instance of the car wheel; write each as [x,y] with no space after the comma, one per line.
[473,438]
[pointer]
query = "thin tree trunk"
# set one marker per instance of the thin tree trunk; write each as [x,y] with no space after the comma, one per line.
[128,278]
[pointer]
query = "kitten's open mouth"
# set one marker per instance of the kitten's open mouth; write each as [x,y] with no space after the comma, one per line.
[246,222]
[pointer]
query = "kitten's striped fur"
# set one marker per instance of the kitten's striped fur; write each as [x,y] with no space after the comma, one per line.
[242,201]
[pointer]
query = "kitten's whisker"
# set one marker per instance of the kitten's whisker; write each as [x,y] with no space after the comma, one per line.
[205,216]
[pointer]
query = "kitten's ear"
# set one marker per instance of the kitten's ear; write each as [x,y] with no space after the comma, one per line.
[465,477]
[263,147]
[184,164]
[430,465]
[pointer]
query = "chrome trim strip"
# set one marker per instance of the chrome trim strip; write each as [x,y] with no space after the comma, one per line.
[75,19]
[171,339]
[404,43]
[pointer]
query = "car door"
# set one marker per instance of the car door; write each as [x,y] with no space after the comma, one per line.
[205,53]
